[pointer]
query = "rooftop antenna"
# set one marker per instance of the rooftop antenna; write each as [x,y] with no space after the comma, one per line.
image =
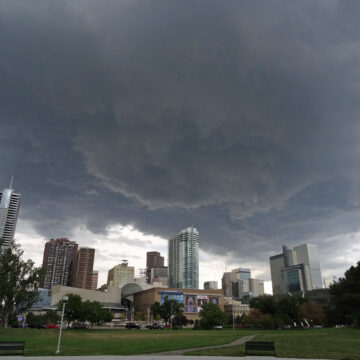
[11,182]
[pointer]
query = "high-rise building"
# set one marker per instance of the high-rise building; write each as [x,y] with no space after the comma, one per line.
[227,282]
[183,257]
[210,285]
[120,274]
[242,273]
[296,269]
[153,259]
[59,261]
[83,269]
[94,280]
[9,211]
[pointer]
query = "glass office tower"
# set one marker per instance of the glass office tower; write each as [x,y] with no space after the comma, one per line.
[183,257]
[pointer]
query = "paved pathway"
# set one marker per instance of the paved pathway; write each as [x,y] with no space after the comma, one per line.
[239,341]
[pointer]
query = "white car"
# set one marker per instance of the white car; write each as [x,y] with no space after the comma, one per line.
[218,327]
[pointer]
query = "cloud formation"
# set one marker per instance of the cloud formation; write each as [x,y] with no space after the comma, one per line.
[239,117]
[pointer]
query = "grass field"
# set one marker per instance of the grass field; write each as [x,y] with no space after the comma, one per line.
[115,342]
[313,343]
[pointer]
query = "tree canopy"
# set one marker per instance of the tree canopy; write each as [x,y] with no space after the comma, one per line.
[90,311]
[211,316]
[166,309]
[19,282]
[346,296]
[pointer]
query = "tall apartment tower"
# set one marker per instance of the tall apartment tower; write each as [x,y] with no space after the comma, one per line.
[94,280]
[153,259]
[296,269]
[183,257]
[59,261]
[83,269]
[9,211]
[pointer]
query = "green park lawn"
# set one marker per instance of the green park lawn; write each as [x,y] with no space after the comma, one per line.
[115,342]
[313,343]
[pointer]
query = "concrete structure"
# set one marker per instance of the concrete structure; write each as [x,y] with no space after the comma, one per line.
[113,295]
[83,269]
[183,257]
[296,269]
[59,261]
[159,275]
[153,259]
[94,280]
[191,298]
[120,274]
[9,211]
[210,285]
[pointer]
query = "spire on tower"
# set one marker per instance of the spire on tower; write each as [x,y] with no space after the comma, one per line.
[11,181]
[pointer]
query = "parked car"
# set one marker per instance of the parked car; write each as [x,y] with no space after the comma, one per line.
[132,326]
[51,326]
[155,327]
[218,327]
[240,326]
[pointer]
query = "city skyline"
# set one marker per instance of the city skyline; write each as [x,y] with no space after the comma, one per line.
[125,123]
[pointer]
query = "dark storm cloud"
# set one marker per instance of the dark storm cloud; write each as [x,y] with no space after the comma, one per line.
[239,117]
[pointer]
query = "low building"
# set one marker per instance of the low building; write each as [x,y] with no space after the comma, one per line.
[235,307]
[192,299]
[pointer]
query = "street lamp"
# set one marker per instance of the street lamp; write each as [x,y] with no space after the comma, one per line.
[64,300]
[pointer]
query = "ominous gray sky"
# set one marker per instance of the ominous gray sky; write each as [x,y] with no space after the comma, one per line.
[241,117]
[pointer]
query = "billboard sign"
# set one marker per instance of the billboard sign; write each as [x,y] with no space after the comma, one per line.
[190,304]
[214,300]
[174,295]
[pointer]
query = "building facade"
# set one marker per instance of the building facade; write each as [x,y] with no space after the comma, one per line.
[59,261]
[159,275]
[183,257]
[9,211]
[210,285]
[94,280]
[153,259]
[120,274]
[296,270]
[192,299]
[83,269]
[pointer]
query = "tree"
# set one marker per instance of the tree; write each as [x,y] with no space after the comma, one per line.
[211,315]
[289,308]
[264,303]
[166,309]
[91,311]
[311,312]
[346,296]
[179,321]
[19,282]
[255,317]
[73,308]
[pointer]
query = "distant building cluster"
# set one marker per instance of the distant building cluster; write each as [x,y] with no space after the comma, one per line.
[239,284]
[70,268]
[296,270]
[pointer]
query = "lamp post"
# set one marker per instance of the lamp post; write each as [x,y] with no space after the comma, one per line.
[64,300]
[171,312]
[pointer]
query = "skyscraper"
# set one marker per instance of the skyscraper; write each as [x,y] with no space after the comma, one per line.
[59,261]
[296,269]
[153,259]
[183,257]
[94,280]
[9,211]
[83,269]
